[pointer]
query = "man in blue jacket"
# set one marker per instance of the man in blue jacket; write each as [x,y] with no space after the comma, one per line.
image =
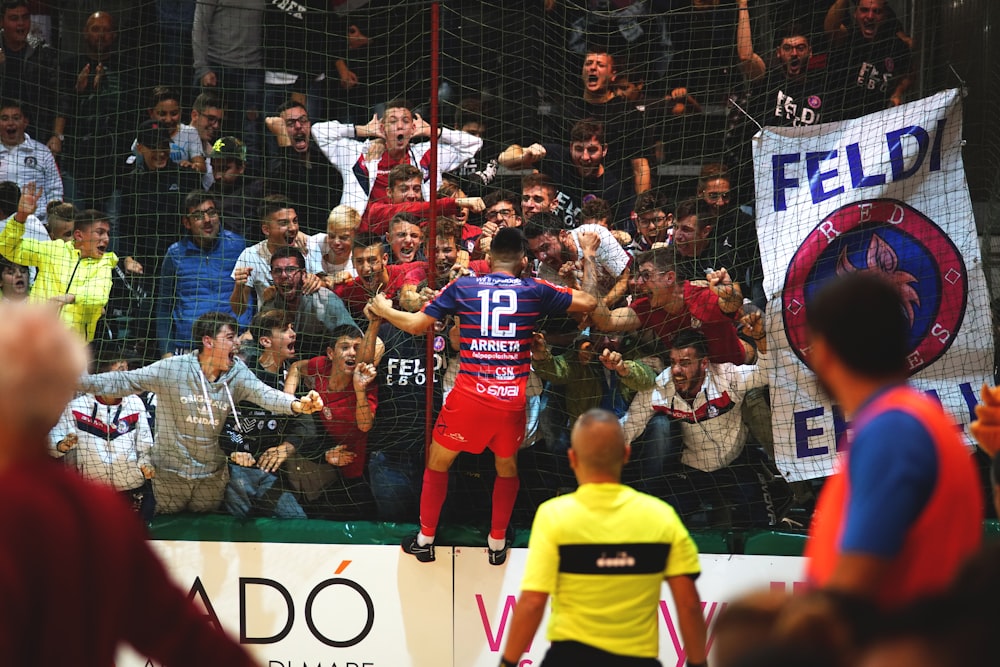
[196,274]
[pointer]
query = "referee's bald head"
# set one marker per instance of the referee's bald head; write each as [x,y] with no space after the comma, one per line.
[598,444]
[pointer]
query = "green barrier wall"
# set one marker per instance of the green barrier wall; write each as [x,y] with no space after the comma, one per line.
[218,528]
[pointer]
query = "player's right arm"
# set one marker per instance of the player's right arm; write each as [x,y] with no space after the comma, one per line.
[582,302]
[412,323]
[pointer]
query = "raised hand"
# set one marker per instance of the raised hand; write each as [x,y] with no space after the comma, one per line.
[363,376]
[613,361]
[589,243]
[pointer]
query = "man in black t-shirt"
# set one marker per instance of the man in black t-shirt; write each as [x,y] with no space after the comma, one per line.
[623,129]
[580,171]
[871,58]
[789,93]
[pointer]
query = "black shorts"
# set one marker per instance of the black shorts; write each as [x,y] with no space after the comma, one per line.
[574,654]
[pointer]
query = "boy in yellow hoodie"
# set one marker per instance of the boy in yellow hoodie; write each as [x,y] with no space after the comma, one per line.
[76,273]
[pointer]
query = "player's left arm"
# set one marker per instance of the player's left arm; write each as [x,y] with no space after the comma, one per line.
[527,617]
[582,302]
[689,618]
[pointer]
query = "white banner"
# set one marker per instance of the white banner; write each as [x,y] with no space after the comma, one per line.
[886,192]
[372,606]
[319,604]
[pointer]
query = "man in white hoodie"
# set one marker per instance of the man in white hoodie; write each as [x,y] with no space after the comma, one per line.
[195,393]
[705,400]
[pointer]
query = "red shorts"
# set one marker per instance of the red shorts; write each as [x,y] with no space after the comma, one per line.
[465,425]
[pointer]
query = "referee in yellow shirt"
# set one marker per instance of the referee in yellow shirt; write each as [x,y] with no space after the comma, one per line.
[601,552]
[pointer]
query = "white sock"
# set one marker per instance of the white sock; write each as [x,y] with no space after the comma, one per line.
[423,540]
[495,544]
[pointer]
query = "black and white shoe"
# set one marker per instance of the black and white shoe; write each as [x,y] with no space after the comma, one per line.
[499,557]
[424,554]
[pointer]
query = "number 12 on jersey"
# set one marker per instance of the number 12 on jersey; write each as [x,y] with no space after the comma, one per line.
[491,309]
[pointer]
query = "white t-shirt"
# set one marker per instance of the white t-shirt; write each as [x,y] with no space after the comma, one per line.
[611,259]
[317,248]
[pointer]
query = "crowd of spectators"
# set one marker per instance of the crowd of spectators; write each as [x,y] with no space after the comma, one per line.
[299,187]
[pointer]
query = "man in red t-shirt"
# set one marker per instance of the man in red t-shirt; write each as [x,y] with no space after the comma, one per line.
[406,195]
[669,305]
[375,275]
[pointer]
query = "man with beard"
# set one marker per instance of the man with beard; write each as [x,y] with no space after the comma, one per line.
[870,60]
[195,393]
[905,507]
[301,171]
[196,274]
[314,316]
[406,195]
[375,275]
[704,400]
[560,254]
[280,225]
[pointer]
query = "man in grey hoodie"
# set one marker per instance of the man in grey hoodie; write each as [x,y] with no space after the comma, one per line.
[194,394]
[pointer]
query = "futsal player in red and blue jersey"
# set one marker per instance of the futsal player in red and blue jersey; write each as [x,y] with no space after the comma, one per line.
[905,509]
[497,313]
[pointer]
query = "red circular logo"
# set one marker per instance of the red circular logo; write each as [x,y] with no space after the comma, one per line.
[892,238]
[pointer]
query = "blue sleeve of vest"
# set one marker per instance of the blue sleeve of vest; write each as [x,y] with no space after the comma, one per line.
[893,468]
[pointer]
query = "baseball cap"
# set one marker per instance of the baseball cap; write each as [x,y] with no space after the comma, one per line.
[152,134]
[229,147]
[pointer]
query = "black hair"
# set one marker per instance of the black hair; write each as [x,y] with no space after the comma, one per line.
[196,198]
[543,223]
[289,251]
[210,324]
[691,338]
[861,317]
[509,245]
[343,331]
[10,195]
[497,196]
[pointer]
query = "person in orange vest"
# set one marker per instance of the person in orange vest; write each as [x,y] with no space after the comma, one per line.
[905,507]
